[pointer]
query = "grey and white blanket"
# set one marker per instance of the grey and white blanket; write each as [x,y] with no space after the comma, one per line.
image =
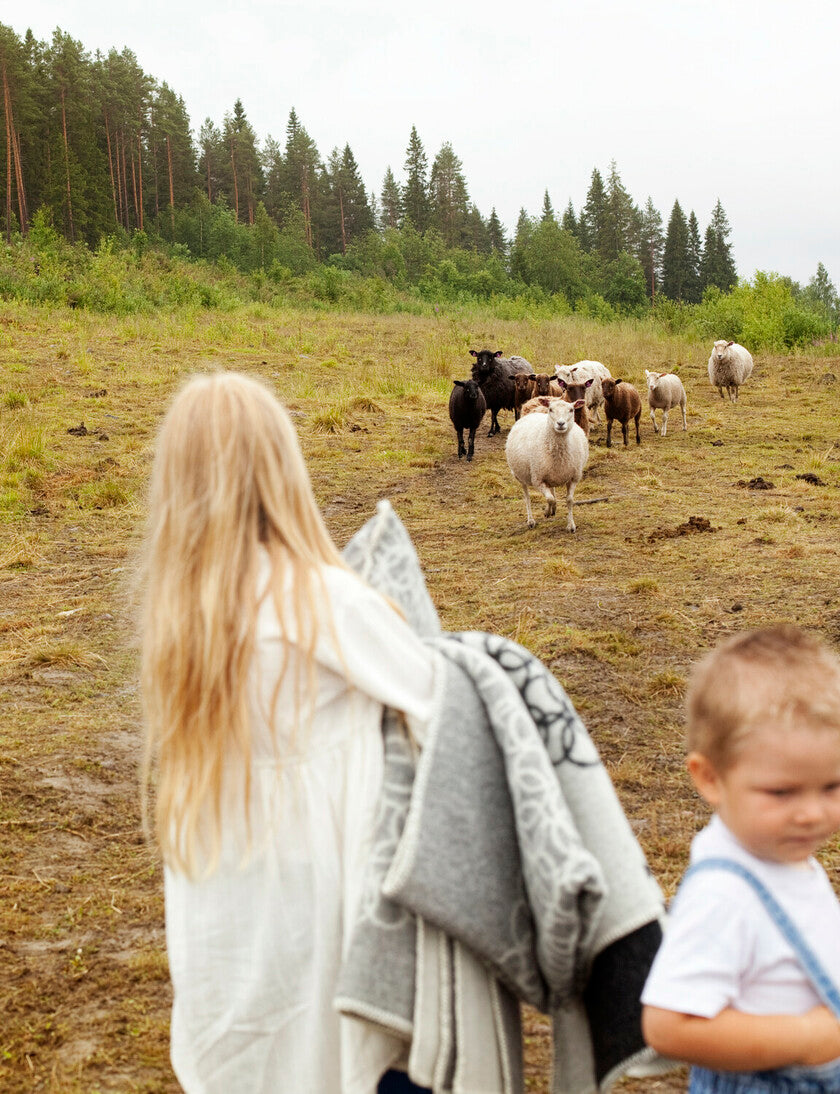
[504,869]
[508,838]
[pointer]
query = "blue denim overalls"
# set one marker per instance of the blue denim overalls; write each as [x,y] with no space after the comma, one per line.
[824,1079]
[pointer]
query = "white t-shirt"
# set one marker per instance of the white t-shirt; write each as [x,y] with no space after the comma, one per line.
[254,950]
[721,948]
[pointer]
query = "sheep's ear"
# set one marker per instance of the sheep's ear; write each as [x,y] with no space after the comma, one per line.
[473,353]
[647,374]
[459,383]
[544,400]
[498,353]
[562,382]
[578,403]
[728,344]
[618,381]
[531,376]
[590,382]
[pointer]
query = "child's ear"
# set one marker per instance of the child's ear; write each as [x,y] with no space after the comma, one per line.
[704,776]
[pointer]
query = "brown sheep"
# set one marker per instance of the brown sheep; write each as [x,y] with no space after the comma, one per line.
[573,392]
[621,403]
[523,390]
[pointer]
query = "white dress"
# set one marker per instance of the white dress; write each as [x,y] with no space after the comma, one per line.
[254,950]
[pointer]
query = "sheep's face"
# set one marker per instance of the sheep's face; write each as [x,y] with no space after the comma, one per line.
[522,383]
[721,346]
[653,379]
[562,414]
[541,384]
[485,362]
[608,388]
[470,387]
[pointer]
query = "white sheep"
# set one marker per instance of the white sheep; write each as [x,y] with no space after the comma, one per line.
[729,366]
[548,450]
[665,391]
[582,371]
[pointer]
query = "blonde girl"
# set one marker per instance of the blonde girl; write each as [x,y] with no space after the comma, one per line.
[265,668]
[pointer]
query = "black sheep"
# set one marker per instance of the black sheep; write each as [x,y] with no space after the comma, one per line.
[466,409]
[494,375]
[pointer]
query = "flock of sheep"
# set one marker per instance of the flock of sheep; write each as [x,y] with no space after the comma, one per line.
[548,444]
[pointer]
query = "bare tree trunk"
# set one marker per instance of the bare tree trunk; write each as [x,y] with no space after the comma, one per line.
[67,167]
[209,187]
[171,187]
[126,206]
[22,208]
[307,220]
[235,184]
[140,166]
[111,166]
[341,217]
[134,188]
[8,158]
[120,217]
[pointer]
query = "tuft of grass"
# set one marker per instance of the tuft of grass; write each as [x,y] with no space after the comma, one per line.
[14,399]
[644,586]
[63,653]
[608,646]
[666,682]
[106,494]
[562,568]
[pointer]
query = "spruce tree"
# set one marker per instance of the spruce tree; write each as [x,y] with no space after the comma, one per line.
[717,266]
[693,287]
[675,271]
[621,220]
[390,200]
[415,194]
[651,246]
[449,202]
[548,208]
[496,233]
[570,222]
[592,223]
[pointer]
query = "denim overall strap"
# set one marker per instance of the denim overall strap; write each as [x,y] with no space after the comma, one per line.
[826,988]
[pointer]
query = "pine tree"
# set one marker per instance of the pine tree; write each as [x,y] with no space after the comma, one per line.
[548,208]
[390,200]
[821,292]
[476,232]
[693,288]
[496,233]
[675,271]
[272,167]
[651,246]
[449,201]
[717,266]
[415,194]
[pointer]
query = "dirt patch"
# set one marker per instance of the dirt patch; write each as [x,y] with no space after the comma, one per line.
[758,483]
[693,524]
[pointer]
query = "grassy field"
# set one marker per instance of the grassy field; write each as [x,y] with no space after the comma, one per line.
[619,611]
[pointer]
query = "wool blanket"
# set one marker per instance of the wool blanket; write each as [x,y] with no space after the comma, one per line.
[504,869]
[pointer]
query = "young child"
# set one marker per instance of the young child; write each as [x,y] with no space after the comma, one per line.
[730,990]
[266,664]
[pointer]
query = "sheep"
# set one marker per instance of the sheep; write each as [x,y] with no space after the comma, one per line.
[545,385]
[523,387]
[548,450]
[621,404]
[665,391]
[466,409]
[494,375]
[582,370]
[529,386]
[729,366]
[573,392]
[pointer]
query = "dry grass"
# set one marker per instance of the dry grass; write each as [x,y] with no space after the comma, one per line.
[620,610]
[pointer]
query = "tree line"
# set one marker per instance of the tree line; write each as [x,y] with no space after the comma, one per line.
[97,147]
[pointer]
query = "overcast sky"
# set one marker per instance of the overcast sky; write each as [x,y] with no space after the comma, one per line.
[724,99]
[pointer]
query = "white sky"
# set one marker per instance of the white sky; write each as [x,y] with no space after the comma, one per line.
[694,99]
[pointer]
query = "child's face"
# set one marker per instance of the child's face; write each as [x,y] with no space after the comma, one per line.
[781,796]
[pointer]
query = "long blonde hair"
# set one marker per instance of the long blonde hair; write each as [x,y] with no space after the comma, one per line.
[228,475]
